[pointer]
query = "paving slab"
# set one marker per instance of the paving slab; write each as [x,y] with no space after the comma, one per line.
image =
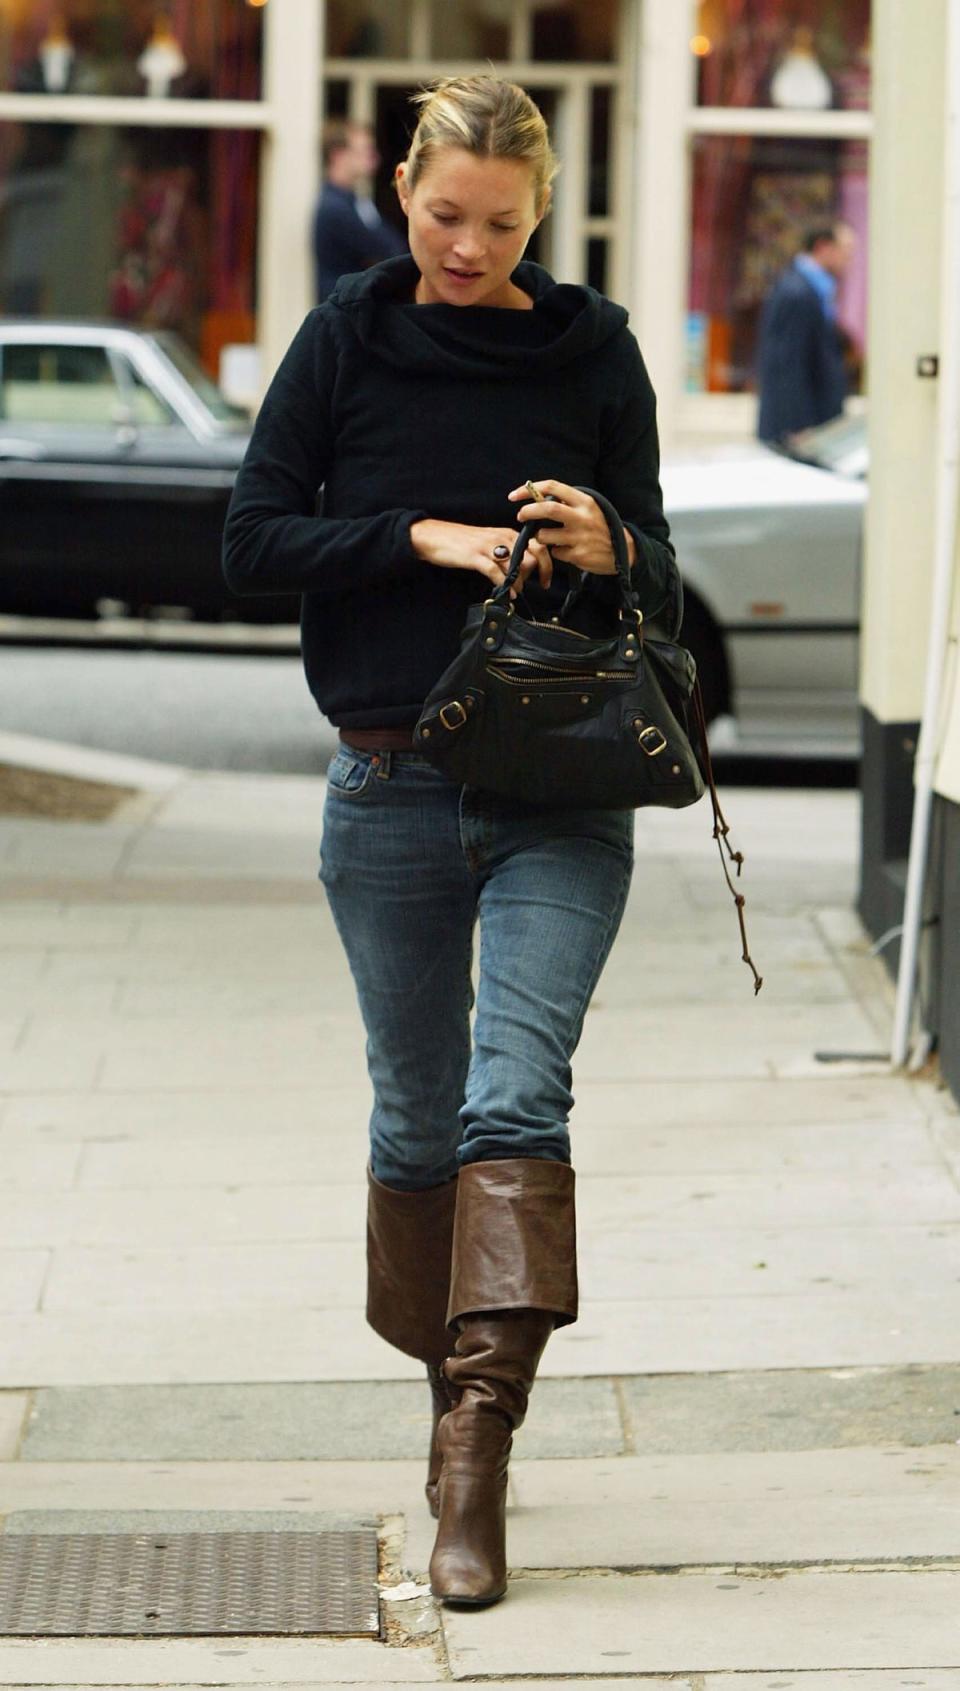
[248,928]
[231,992]
[336,1421]
[787,1508]
[716,1041]
[41,1061]
[232,1113]
[55,923]
[734,1262]
[291,1106]
[181,1346]
[683,1335]
[723,1263]
[43,995]
[13,1415]
[744,1199]
[213,1661]
[648,1146]
[176,851]
[181,965]
[796,981]
[895,1679]
[758,1101]
[331,1151]
[681,981]
[328,1488]
[706,1622]
[203,1278]
[115,1346]
[323,1051]
[318,1148]
[165,1217]
[220,801]
[635,1683]
[96,850]
[22,1278]
[792,1409]
[40,1165]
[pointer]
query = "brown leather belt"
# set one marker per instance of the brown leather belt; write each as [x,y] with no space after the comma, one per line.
[379,739]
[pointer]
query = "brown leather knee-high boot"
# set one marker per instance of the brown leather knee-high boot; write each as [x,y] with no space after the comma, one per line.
[514,1279]
[409,1240]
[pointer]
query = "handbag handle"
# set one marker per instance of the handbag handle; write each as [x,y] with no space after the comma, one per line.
[621,555]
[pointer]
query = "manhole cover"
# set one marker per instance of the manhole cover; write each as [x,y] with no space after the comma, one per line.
[180,1584]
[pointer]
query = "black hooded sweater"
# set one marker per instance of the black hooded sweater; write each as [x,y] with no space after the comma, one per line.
[383,412]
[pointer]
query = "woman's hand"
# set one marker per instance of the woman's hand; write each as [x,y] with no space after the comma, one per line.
[459,546]
[583,538]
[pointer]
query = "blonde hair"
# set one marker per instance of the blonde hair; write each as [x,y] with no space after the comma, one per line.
[485,116]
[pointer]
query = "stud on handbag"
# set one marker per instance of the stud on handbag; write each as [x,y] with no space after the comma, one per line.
[540,712]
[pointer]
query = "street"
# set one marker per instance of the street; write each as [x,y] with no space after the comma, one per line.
[203,711]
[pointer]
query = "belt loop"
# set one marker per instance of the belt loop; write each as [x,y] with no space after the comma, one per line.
[384,761]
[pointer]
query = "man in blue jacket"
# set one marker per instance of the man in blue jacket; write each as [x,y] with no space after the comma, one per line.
[802,376]
[349,233]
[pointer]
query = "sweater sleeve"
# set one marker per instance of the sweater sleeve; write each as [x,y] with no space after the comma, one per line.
[274,541]
[629,475]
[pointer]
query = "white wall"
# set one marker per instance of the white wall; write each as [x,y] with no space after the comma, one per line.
[906,219]
[290,172]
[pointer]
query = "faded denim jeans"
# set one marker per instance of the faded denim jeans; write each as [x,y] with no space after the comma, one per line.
[412,864]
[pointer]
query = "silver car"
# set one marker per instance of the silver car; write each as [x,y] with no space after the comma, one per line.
[770,544]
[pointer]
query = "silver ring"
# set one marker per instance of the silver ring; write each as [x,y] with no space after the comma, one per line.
[500,552]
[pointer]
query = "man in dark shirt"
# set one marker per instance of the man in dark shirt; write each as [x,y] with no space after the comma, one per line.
[349,233]
[801,369]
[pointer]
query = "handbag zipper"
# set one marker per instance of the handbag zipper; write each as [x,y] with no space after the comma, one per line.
[556,628]
[552,675]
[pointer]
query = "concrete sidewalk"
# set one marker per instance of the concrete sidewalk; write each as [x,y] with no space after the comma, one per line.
[741,1467]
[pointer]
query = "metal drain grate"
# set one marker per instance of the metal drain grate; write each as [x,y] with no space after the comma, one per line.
[182,1584]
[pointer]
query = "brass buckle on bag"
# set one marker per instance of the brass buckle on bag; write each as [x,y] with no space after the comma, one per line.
[456,705]
[656,737]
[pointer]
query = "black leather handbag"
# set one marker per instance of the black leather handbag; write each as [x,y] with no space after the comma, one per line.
[542,712]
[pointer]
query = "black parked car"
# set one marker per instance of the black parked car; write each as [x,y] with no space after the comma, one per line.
[117,458]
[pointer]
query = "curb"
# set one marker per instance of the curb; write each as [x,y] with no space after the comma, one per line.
[83,763]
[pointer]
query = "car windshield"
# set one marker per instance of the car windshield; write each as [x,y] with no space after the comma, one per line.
[231,416]
[840,446]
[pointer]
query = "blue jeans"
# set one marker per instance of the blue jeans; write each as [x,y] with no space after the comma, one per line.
[411,864]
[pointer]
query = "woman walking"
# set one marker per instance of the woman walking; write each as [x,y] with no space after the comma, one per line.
[420,397]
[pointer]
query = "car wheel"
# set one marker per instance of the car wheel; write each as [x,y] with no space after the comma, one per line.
[702,637]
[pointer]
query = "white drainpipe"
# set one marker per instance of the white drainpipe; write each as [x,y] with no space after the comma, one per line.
[948,494]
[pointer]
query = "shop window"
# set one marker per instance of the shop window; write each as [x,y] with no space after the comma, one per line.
[801,55]
[575,30]
[155,227]
[182,49]
[368,29]
[754,200]
[477,29]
